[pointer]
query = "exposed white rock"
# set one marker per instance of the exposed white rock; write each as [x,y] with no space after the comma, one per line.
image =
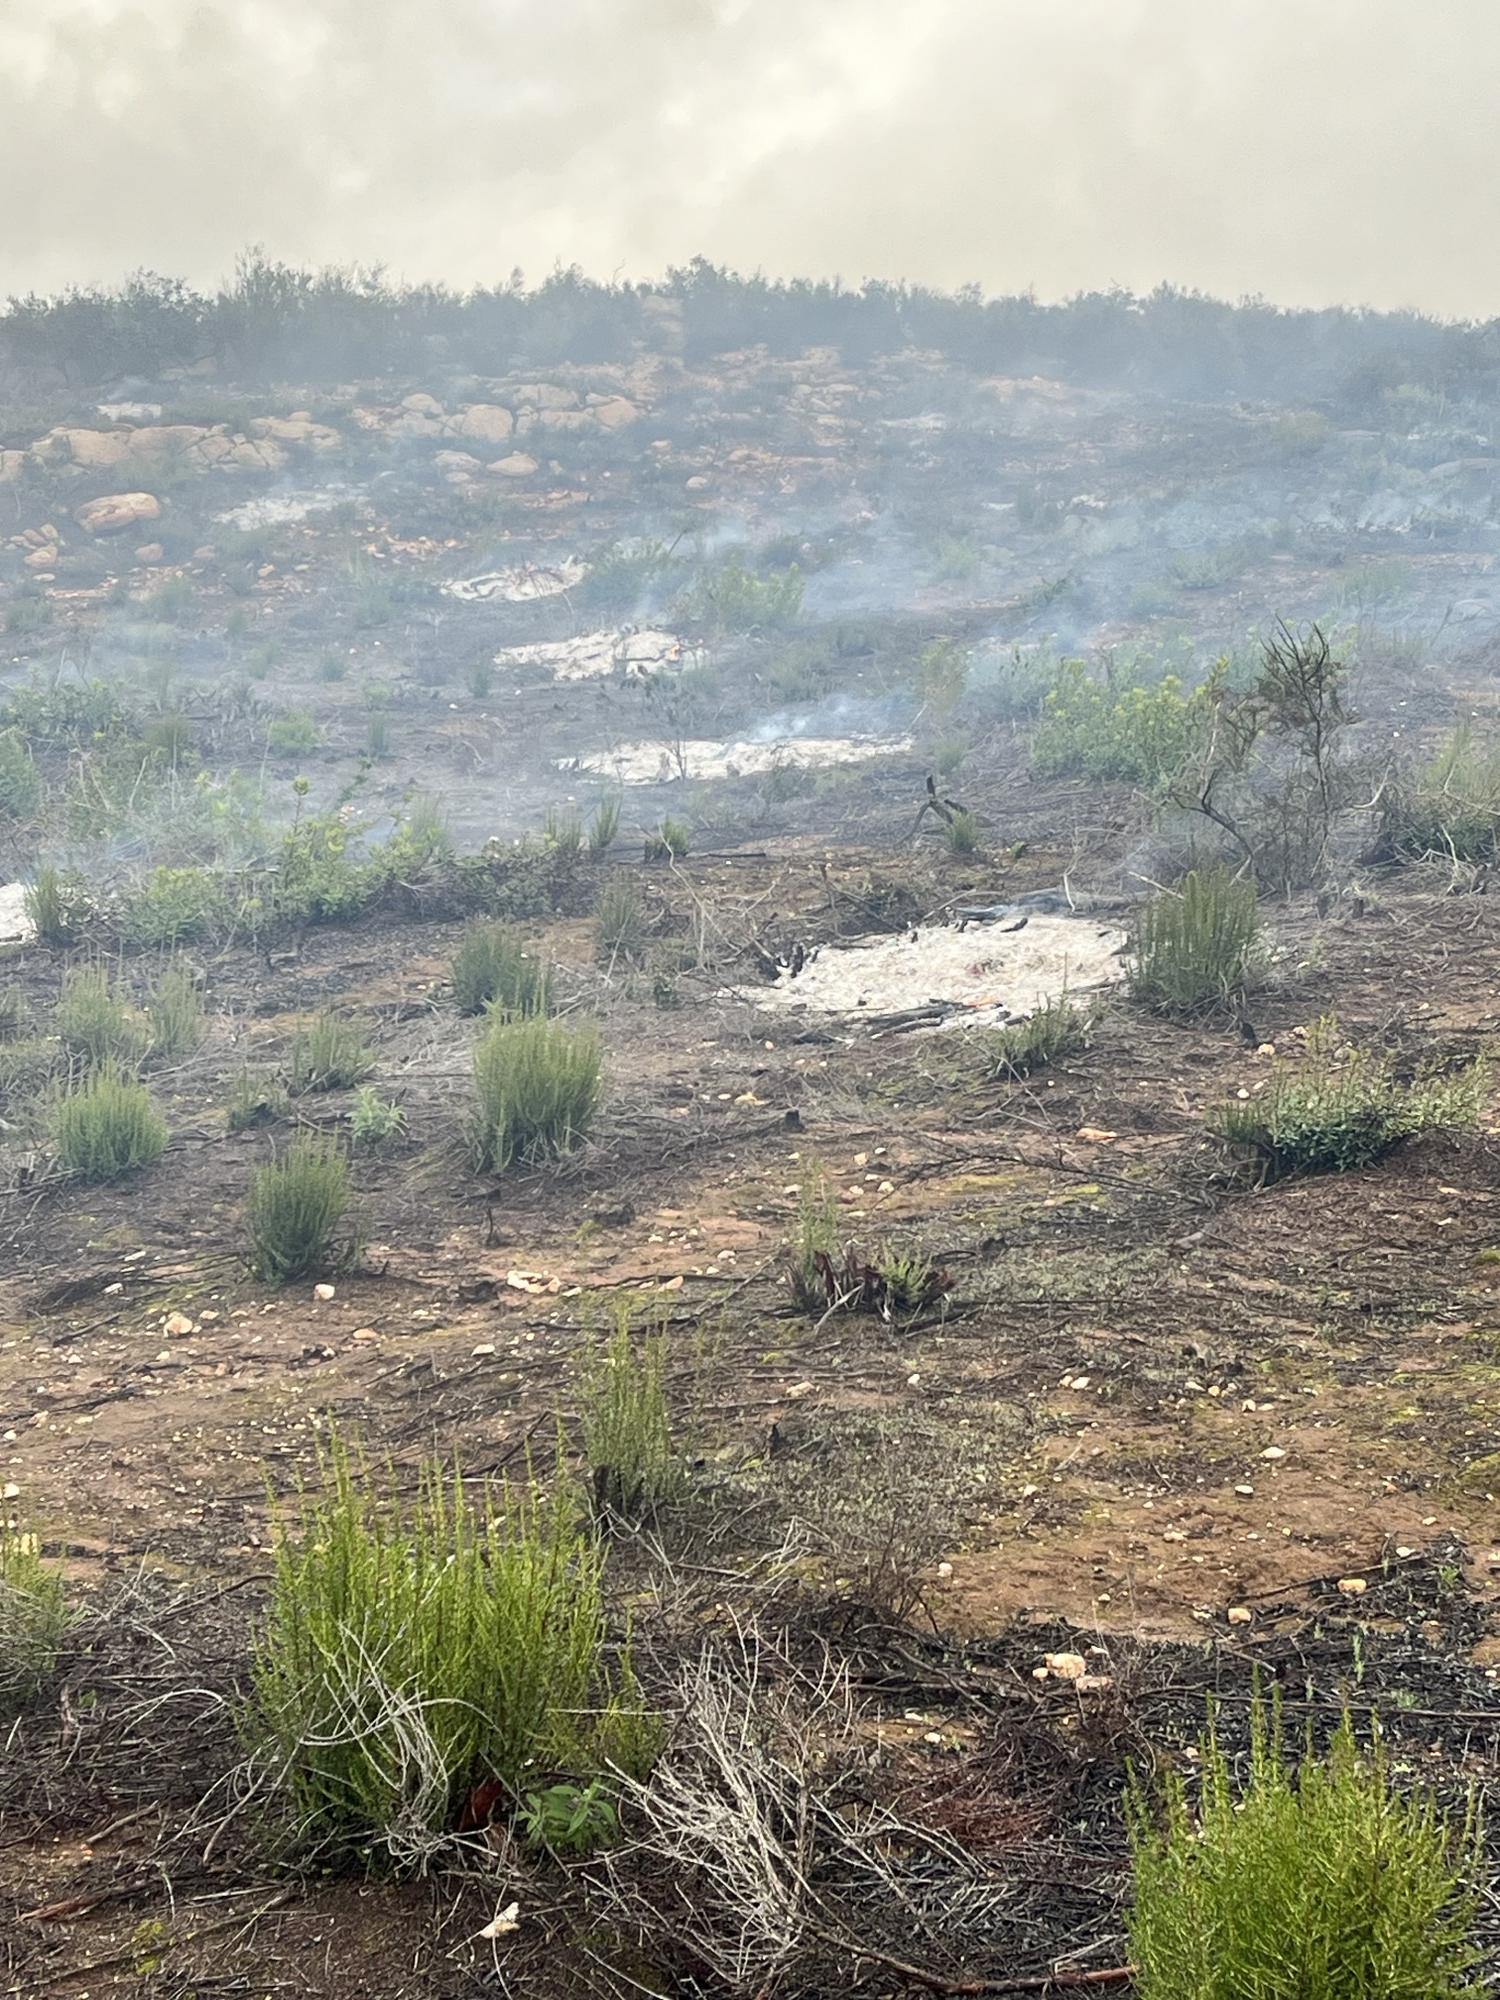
[521,584]
[659,762]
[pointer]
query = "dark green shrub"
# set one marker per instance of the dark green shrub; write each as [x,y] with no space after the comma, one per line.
[296,1206]
[175,1011]
[538,1086]
[415,1651]
[106,1126]
[95,1024]
[35,1615]
[627,1432]
[329,1055]
[493,968]
[1196,945]
[1340,1107]
[1326,1884]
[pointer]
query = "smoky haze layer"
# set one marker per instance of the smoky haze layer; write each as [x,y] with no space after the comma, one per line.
[1310,150]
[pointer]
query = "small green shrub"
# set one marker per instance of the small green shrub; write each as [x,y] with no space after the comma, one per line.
[672,841]
[563,831]
[538,1086]
[1340,1107]
[35,1617]
[106,1126]
[627,1433]
[568,1819]
[413,1653]
[1326,1885]
[1051,1032]
[95,1024]
[15,1015]
[375,1120]
[59,905]
[734,599]
[177,905]
[293,735]
[330,1055]
[961,832]
[1196,945]
[377,735]
[620,928]
[317,881]
[1450,808]
[815,1236]
[603,826]
[493,968]
[1118,726]
[20,781]
[296,1206]
[175,1011]
[257,1100]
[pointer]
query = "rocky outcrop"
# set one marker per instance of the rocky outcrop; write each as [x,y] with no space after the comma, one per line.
[12,465]
[114,512]
[514,465]
[300,432]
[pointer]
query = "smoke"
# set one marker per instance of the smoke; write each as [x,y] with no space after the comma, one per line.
[1310,150]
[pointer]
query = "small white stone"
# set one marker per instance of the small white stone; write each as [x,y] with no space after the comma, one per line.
[1272,1452]
[1239,1614]
[324,1292]
[1352,1586]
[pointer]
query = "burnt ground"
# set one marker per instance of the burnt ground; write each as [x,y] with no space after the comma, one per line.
[1071,1455]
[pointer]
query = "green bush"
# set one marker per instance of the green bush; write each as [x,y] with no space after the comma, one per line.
[1054,1030]
[1450,808]
[620,928]
[177,905]
[257,1100]
[107,1126]
[330,1055]
[95,1024]
[734,599]
[815,1236]
[20,781]
[563,831]
[961,832]
[1323,1885]
[1196,945]
[411,1654]
[538,1086]
[493,968]
[1341,1107]
[1117,726]
[59,905]
[35,1616]
[293,735]
[604,825]
[375,1120]
[15,1015]
[317,881]
[296,1206]
[672,841]
[175,1011]
[627,1432]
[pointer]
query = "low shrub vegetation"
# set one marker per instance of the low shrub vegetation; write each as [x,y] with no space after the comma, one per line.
[1114,725]
[1053,1031]
[538,1086]
[35,1617]
[106,1126]
[620,927]
[1323,1882]
[1340,1107]
[175,1012]
[627,1432]
[1197,945]
[376,1121]
[329,1055]
[1449,808]
[297,1204]
[417,1654]
[95,1023]
[493,968]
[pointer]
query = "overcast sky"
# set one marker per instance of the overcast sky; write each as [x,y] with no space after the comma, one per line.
[1308,150]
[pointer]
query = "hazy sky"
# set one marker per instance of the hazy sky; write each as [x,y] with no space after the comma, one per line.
[1309,150]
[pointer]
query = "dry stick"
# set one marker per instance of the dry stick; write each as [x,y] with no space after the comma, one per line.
[134,1952]
[938,1982]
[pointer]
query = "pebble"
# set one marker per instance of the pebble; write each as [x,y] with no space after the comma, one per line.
[1352,1586]
[1239,1614]
[176,1324]
[324,1292]
[1272,1452]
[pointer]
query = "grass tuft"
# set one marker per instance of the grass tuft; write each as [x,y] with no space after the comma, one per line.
[627,1432]
[330,1056]
[1196,946]
[35,1616]
[106,1126]
[493,968]
[95,1024]
[175,1011]
[296,1206]
[538,1086]
[1056,1029]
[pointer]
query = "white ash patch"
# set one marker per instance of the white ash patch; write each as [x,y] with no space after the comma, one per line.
[521,584]
[663,763]
[15,925]
[638,656]
[985,973]
[285,510]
